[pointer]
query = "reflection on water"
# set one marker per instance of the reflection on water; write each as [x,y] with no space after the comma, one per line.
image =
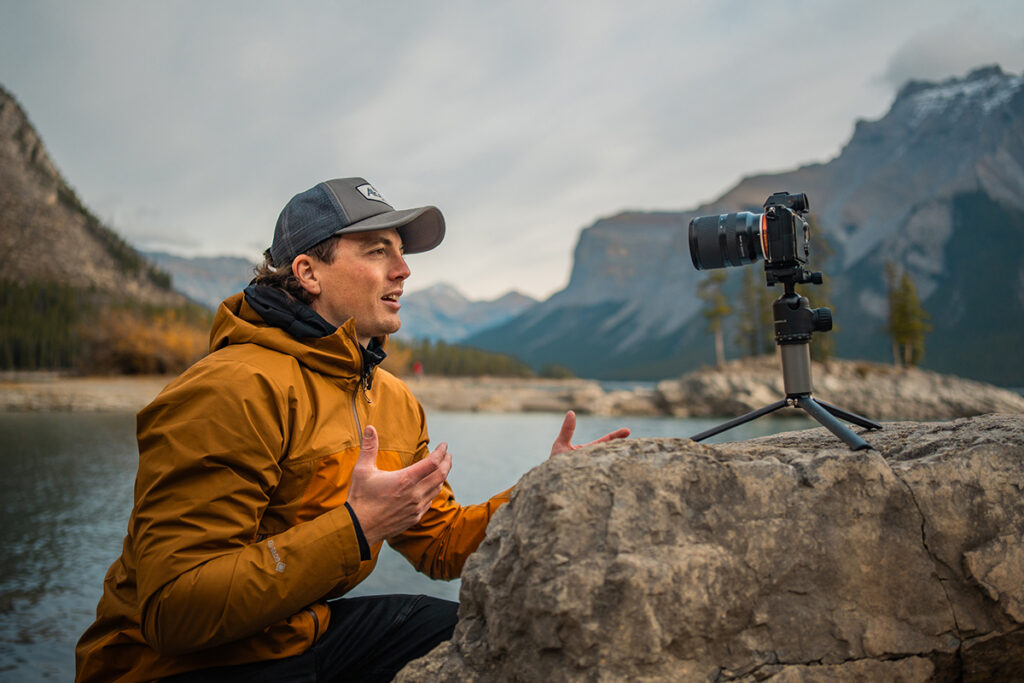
[68,494]
[66,499]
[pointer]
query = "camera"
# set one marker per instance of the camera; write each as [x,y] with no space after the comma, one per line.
[780,235]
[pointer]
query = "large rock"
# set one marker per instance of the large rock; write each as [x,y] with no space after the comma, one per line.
[874,390]
[787,558]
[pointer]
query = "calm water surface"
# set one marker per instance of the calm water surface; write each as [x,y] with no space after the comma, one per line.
[68,493]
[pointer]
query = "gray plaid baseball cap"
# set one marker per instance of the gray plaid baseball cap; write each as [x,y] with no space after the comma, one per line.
[346,205]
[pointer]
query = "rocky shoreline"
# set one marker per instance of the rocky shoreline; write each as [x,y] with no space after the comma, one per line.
[56,392]
[880,392]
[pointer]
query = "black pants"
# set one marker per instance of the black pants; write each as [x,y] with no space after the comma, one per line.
[369,639]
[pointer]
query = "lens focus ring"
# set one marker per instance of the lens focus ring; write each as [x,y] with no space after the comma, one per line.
[729,239]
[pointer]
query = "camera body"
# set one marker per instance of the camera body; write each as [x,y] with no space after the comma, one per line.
[780,235]
[786,237]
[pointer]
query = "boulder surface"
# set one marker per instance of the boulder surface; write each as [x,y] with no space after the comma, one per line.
[785,558]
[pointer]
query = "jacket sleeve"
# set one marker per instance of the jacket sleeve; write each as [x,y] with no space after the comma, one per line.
[449,532]
[209,464]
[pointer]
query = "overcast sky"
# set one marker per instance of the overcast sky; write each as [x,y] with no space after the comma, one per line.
[186,126]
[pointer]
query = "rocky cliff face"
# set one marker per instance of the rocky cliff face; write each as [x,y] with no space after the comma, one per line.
[936,186]
[787,558]
[47,234]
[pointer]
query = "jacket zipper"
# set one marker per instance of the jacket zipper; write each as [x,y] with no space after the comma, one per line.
[366,386]
[364,389]
[355,414]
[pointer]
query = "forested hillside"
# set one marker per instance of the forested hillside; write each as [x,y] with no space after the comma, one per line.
[73,293]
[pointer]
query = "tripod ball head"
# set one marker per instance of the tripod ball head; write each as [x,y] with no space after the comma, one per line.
[795,320]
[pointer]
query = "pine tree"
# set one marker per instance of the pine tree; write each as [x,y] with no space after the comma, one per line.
[908,321]
[755,329]
[917,322]
[716,308]
[766,318]
[893,325]
[822,345]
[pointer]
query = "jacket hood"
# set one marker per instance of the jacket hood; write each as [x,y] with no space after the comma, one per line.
[336,353]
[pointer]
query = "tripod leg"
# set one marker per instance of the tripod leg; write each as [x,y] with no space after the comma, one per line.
[848,416]
[832,424]
[753,415]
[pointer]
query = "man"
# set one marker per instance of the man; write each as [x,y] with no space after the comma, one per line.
[271,472]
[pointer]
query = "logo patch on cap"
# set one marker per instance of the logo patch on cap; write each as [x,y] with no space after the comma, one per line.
[370,192]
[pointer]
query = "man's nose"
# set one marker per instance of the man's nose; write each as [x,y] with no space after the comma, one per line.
[401,270]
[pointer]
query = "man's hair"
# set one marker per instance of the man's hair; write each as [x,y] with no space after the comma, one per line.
[282,277]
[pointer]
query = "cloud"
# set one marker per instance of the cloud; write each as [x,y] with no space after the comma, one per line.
[193,123]
[954,48]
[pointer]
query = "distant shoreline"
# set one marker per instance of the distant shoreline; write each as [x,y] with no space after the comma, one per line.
[56,392]
[881,391]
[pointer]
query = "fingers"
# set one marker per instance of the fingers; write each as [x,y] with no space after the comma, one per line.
[621,433]
[433,483]
[445,466]
[564,444]
[368,448]
[568,428]
[429,475]
[438,462]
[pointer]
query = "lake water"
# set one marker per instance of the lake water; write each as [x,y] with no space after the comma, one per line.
[68,481]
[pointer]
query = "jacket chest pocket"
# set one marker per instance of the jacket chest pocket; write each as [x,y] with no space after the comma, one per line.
[328,484]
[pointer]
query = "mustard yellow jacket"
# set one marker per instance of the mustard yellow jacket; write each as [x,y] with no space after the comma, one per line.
[239,533]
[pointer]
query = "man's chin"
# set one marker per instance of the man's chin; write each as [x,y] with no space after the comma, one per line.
[388,328]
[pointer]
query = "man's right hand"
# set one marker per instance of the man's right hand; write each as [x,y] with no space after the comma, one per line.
[388,503]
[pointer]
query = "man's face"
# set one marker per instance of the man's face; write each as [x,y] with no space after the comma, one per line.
[364,282]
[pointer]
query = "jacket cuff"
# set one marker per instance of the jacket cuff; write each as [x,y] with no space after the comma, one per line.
[364,547]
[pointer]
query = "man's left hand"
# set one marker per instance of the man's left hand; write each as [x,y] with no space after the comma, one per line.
[564,441]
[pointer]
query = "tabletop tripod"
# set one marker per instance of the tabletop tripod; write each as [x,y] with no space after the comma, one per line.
[795,321]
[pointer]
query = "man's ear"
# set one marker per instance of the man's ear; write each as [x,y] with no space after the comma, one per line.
[305,272]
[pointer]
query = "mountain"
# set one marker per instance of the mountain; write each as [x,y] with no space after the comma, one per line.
[207,280]
[441,312]
[936,186]
[47,235]
[73,293]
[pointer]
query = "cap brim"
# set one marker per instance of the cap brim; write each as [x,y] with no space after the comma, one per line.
[421,229]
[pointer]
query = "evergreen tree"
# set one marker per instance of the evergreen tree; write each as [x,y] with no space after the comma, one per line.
[908,321]
[37,325]
[894,326]
[716,308]
[755,332]
[822,345]
[441,358]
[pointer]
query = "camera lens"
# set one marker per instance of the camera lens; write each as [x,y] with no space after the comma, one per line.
[729,239]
